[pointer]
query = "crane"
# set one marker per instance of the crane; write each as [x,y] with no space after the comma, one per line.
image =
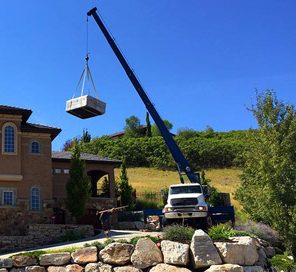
[181,162]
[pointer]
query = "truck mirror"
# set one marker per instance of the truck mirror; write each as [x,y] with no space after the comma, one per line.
[206,191]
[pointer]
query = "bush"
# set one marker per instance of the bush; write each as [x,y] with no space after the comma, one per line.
[142,204]
[97,244]
[224,232]
[134,240]
[178,233]
[262,231]
[283,263]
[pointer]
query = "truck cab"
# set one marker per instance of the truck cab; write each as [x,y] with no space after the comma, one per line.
[186,202]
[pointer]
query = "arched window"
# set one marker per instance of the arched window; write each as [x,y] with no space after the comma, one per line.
[35,147]
[35,199]
[9,139]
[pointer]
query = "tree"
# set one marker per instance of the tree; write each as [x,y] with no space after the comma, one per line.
[125,189]
[155,130]
[148,126]
[132,127]
[86,137]
[78,186]
[187,133]
[268,189]
[68,145]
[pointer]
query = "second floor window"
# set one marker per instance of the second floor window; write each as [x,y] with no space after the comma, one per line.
[35,147]
[9,137]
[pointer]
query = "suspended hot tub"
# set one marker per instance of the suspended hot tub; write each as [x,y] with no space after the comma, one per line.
[85,106]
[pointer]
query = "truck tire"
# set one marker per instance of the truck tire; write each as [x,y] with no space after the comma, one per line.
[205,223]
[167,222]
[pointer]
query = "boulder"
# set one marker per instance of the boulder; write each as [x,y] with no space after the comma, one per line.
[98,267]
[269,251]
[175,253]
[85,255]
[55,259]
[22,261]
[74,268]
[253,269]
[17,269]
[262,260]
[6,263]
[168,268]
[35,268]
[116,253]
[242,251]
[56,269]
[146,254]
[126,269]
[225,268]
[203,251]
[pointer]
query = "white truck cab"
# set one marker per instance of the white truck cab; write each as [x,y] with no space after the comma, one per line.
[185,201]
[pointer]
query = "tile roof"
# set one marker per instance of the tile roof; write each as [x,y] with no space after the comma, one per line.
[16,111]
[66,155]
[29,127]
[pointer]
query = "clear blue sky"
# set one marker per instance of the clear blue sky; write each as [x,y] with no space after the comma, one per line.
[199,61]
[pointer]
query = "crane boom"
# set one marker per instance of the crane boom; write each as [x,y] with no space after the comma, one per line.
[182,164]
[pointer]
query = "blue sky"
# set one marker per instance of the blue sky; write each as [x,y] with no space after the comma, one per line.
[199,61]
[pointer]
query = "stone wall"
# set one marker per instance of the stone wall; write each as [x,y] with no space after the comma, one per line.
[47,233]
[240,254]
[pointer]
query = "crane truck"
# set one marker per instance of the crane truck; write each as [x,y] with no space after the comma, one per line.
[185,200]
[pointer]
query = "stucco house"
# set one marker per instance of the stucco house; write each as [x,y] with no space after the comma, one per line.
[33,178]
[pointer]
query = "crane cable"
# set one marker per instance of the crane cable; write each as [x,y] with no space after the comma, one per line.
[86,74]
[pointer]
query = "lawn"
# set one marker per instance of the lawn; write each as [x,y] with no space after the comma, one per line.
[153,180]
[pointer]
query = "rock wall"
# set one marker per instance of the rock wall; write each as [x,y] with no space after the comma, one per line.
[47,233]
[240,254]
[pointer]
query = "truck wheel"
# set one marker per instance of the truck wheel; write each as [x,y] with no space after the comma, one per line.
[166,222]
[205,223]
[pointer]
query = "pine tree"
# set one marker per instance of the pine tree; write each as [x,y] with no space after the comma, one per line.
[125,189]
[78,186]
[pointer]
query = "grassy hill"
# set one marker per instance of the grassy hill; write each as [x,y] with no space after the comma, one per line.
[153,180]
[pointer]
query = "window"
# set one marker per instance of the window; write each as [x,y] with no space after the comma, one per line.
[35,199]
[67,171]
[8,198]
[9,137]
[35,147]
[57,171]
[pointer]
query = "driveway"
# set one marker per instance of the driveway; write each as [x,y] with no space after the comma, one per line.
[114,234]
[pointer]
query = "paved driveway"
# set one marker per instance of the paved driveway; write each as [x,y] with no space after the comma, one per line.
[114,234]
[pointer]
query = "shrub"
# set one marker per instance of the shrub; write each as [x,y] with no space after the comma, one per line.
[142,204]
[224,232]
[178,233]
[134,240]
[262,231]
[97,244]
[283,263]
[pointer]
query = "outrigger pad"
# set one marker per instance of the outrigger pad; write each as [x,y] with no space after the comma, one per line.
[85,107]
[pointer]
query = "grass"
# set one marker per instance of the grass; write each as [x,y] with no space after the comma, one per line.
[153,180]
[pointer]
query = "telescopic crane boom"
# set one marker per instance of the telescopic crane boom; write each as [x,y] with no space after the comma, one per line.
[182,164]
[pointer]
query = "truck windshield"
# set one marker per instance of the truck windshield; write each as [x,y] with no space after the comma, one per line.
[185,190]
